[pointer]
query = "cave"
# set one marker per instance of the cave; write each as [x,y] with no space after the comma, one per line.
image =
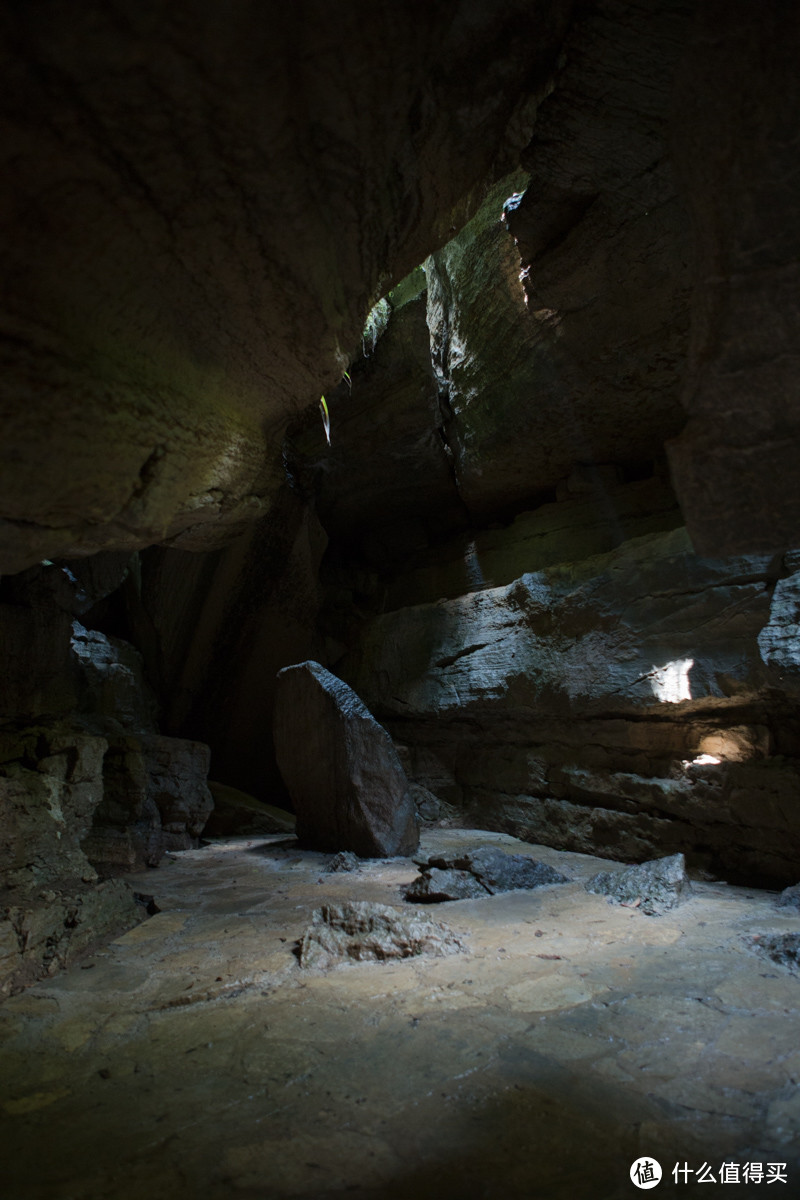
[400,599]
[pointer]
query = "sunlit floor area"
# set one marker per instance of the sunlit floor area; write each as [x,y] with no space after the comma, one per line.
[196,1058]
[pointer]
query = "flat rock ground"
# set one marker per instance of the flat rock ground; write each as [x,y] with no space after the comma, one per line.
[194,1058]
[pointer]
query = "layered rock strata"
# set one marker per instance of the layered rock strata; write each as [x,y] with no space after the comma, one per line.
[88,788]
[620,702]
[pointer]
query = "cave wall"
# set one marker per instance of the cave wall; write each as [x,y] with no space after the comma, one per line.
[203,202]
[202,207]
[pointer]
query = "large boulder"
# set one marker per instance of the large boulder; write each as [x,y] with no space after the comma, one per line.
[340,767]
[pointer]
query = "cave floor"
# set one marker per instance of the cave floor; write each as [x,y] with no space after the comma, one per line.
[194,1057]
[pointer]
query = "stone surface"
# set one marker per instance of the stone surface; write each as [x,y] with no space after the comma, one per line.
[51,904]
[571,1017]
[484,871]
[345,860]
[175,294]
[237,812]
[781,948]
[360,931]
[578,358]
[621,703]
[500,872]
[347,786]
[790,897]
[435,884]
[733,465]
[652,887]
[155,798]
[216,628]
[385,486]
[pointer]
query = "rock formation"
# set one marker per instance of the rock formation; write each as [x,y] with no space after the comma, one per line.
[343,775]
[485,871]
[88,788]
[652,887]
[541,261]
[360,931]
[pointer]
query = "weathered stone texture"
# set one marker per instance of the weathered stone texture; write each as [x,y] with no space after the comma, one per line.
[155,799]
[653,887]
[51,904]
[572,704]
[360,931]
[736,146]
[202,205]
[485,871]
[579,359]
[345,780]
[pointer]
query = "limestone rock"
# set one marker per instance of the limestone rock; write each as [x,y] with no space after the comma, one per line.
[648,626]
[385,483]
[429,806]
[236,812]
[779,640]
[435,884]
[620,705]
[51,904]
[781,948]
[789,897]
[734,464]
[167,316]
[347,786]
[480,872]
[363,931]
[654,887]
[50,788]
[578,358]
[155,798]
[345,860]
[500,872]
[116,694]
[42,932]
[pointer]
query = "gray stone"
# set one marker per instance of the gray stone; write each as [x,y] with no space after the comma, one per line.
[342,772]
[345,860]
[428,805]
[789,897]
[42,932]
[780,948]
[481,872]
[236,811]
[654,887]
[436,884]
[155,798]
[499,872]
[116,694]
[125,431]
[361,931]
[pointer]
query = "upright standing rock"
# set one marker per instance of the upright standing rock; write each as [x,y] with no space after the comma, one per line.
[340,767]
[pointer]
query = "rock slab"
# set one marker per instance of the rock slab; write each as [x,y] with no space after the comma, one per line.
[342,772]
[361,931]
[481,872]
[655,886]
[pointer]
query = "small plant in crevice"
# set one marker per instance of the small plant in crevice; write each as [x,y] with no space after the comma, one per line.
[326,418]
[324,412]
